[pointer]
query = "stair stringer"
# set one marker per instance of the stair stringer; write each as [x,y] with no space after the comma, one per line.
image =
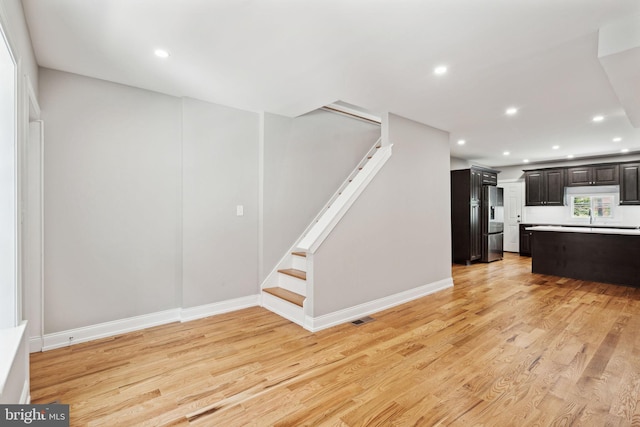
[272,279]
[318,231]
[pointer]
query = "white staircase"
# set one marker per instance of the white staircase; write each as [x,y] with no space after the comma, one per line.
[287,298]
[288,290]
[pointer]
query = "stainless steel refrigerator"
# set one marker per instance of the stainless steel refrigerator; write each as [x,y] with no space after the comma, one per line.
[492,219]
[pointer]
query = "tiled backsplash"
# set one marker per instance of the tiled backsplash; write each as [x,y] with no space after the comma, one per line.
[625,216]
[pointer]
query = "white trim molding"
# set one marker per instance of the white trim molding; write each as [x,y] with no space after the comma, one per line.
[122,326]
[330,218]
[315,324]
[353,112]
[312,324]
[201,311]
[25,396]
[36,344]
[109,329]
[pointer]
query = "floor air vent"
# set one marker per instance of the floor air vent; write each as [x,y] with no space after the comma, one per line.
[366,319]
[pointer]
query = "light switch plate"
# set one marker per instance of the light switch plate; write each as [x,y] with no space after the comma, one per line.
[239,210]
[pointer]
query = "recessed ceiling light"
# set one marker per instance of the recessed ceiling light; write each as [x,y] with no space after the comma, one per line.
[161,53]
[617,139]
[555,147]
[440,70]
[525,161]
[511,111]
[506,153]
[570,156]
[624,150]
[461,142]
[598,118]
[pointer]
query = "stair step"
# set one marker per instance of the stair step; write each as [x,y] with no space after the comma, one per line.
[294,272]
[299,262]
[286,295]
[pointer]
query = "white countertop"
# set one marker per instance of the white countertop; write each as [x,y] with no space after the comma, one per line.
[596,230]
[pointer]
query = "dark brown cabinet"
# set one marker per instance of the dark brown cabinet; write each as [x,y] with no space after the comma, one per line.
[599,257]
[466,196]
[544,187]
[489,177]
[525,240]
[606,174]
[630,184]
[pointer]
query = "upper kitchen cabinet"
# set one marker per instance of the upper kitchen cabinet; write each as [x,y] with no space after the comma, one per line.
[489,177]
[630,184]
[544,187]
[606,174]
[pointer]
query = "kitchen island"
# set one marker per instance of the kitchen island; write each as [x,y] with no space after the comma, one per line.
[599,254]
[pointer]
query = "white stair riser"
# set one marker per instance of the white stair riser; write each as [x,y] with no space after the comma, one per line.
[292,284]
[298,262]
[283,308]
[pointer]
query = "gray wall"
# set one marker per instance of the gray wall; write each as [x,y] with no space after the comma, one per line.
[111,200]
[141,192]
[220,158]
[457,163]
[305,161]
[397,234]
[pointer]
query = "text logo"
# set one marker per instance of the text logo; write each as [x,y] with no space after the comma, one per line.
[54,415]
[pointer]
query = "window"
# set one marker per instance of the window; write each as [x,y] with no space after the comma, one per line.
[592,206]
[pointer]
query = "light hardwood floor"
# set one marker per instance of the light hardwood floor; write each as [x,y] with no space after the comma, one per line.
[503,347]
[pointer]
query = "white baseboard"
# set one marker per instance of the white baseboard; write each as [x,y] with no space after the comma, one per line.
[108,329]
[35,344]
[315,324]
[25,396]
[207,310]
[116,327]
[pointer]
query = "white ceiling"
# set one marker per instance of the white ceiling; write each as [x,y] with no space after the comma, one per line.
[291,56]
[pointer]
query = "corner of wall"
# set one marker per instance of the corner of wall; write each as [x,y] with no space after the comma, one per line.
[396,236]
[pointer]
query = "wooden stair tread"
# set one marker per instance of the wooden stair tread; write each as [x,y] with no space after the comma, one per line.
[286,295]
[302,254]
[294,272]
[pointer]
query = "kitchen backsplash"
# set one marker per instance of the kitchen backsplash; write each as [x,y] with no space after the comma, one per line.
[624,216]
